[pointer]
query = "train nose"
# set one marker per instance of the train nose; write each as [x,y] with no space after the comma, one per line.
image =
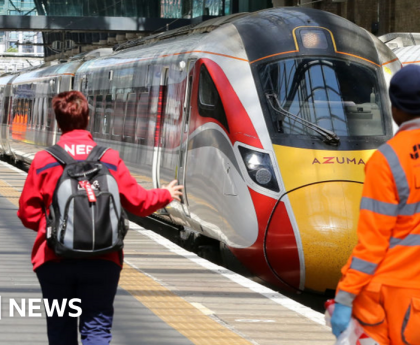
[325,219]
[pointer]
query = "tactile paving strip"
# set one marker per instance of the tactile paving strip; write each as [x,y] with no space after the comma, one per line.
[9,192]
[176,312]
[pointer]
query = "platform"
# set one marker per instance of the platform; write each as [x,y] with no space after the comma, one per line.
[166,295]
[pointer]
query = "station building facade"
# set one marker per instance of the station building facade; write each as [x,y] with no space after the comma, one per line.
[94,18]
[377,16]
[19,49]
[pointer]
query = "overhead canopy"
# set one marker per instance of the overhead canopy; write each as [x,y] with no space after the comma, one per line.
[70,27]
[104,8]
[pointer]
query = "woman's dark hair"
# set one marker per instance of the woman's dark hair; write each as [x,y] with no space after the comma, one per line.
[71,110]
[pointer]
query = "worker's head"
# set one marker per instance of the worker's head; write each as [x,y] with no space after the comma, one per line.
[404,92]
[71,110]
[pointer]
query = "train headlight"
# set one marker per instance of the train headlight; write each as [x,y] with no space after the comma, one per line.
[263,176]
[314,39]
[259,167]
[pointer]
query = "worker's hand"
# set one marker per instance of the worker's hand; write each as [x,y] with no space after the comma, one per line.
[174,189]
[340,318]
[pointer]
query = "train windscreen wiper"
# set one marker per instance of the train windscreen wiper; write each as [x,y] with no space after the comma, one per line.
[329,136]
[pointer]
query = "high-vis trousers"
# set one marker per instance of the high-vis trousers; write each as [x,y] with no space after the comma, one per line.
[390,315]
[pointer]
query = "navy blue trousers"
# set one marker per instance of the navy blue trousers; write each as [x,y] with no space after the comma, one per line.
[95,283]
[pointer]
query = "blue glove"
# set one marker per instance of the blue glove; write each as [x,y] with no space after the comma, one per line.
[340,318]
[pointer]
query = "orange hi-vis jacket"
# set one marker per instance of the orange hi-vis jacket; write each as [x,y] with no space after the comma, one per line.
[388,248]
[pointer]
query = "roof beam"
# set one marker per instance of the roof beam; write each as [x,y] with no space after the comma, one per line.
[90,24]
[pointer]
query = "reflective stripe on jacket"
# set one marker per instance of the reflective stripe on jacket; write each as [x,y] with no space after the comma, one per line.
[388,248]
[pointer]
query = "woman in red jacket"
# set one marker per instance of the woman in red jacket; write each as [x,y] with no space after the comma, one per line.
[93,281]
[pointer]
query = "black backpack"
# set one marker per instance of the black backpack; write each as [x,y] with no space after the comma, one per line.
[86,217]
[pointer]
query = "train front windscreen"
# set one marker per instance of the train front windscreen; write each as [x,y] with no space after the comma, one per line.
[323,97]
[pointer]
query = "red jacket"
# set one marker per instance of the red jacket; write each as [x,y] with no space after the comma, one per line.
[42,179]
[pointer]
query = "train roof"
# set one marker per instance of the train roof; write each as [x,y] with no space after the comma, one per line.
[408,55]
[5,78]
[400,39]
[68,68]
[270,32]
[203,27]
[93,54]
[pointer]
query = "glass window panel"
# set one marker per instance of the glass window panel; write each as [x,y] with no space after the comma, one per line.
[35,117]
[334,94]
[99,110]
[30,112]
[91,105]
[49,121]
[43,113]
[130,116]
[118,121]
[108,114]
[198,8]
[209,101]
[142,124]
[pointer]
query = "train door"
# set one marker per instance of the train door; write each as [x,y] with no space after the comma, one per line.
[159,143]
[55,125]
[183,149]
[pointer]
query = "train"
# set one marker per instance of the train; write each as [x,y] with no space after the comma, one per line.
[266,118]
[405,45]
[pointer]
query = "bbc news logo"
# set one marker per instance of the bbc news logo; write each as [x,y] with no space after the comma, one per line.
[31,307]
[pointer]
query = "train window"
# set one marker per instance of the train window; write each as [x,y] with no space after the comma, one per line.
[35,116]
[40,112]
[3,100]
[336,95]
[50,113]
[109,110]
[99,110]
[209,101]
[16,108]
[130,116]
[148,76]
[187,103]
[45,113]
[83,83]
[10,111]
[59,85]
[5,107]
[29,112]
[53,86]
[26,112]
[91,105]
[118,120]
[142,124]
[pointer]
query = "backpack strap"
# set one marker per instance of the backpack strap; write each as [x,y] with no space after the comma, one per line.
[97,153]
[60,154]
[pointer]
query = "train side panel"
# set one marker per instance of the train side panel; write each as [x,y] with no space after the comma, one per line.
[5,97]
[31,124]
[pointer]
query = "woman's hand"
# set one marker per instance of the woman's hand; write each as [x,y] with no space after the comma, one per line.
[174,189]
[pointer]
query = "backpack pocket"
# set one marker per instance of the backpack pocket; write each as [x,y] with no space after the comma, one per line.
[410,328]
[51,229]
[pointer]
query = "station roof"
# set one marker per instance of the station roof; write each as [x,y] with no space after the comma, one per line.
[72,27]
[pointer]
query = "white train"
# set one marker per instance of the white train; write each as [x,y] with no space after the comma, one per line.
[267,119]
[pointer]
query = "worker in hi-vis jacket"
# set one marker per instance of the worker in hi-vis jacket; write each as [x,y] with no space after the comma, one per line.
[380,284]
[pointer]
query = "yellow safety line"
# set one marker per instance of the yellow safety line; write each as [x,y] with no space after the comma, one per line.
[9,192]
[175,311]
